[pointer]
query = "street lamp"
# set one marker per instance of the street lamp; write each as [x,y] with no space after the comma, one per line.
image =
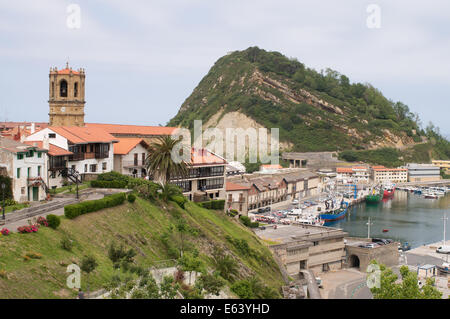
[368,228]
[3,191]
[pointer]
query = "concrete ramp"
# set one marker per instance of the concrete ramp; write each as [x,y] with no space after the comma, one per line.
[313,289]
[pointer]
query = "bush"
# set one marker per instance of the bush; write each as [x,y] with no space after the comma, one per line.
[131,198]
[179,199]
[27,229]
[109,184]
[53,221]
[5,231]
[75,210]
[42,221]
[232,212]
[66,244]
[218,204]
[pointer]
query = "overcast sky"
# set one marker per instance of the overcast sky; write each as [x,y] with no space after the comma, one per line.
[144,58]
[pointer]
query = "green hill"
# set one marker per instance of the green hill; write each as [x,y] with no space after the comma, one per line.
[315,111]
[149,228]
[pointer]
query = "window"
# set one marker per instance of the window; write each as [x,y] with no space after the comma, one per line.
[135,159]
[93,168]
[53,89]
[63,88]
[75,89]
[30,154]
[85,168]
[18,173]
[143,158]
[19,156]
[51,135]
[104,166]
[39,171]
[39,154]
[29,171]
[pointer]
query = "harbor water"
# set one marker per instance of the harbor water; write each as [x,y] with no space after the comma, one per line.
[407,217]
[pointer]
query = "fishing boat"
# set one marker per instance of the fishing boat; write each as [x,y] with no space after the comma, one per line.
[430,196]
[374,197]
[388,191]
[335,214]
[385,230]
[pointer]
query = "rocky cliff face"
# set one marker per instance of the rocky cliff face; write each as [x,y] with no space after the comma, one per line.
[313,111]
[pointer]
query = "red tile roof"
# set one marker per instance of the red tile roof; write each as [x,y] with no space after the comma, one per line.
[67,71]
[236,187]
[204,157]
[344,170]
[272,166]
[125,145]
[133,129]
[53,149]
[83,135]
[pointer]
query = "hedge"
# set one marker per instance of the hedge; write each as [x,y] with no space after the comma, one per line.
[213,204]
[247,222]
[75,210]
[109,184]
[179,199]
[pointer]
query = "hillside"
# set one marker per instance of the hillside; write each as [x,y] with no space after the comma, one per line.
[314,111]
[149,228]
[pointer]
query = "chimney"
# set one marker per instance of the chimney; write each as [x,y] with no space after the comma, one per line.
[22,138]
[33,128]
[46,143]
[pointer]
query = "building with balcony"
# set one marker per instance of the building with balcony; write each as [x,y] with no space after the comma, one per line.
[130,155]
[26,165]
[91,148]
[206,178]
[355,174]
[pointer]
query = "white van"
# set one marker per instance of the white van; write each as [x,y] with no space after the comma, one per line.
[443,249]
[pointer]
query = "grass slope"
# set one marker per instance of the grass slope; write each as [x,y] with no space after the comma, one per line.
[138,225]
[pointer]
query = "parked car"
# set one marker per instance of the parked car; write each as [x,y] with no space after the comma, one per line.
[295,202]
[261,210]
[381,241]
[268,209]
[443,249]
[371,245]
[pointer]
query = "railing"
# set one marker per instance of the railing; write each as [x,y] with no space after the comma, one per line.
[208,187]
[132,164]
[101,155]
[77,157]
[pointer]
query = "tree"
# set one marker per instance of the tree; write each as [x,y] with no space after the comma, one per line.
[225,264]
[211,283]
[88,264]
[160,162]
[191,262]
[408,288]
[166,191]
[168,288]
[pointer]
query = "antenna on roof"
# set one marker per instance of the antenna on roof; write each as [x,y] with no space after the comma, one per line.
[67,63]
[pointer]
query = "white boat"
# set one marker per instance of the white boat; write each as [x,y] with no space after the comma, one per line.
[430,195]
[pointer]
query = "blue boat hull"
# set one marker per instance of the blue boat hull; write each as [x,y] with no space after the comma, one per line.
[333,217]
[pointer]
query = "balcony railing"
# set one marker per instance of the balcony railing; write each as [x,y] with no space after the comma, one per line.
[101,155]
[77,157]
[132,164]
[208,187]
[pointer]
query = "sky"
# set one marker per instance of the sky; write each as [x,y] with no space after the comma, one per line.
[143,58]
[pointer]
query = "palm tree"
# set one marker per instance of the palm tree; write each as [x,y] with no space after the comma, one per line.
[160,163]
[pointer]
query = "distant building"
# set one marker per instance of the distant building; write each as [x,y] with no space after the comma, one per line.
[442,164]
[235,168]
[315,248]
[206,178]
[237,197]
[130,155]
[91,148]
[270,168]
[423,172]
[357,174]
[26,165]
[381,174]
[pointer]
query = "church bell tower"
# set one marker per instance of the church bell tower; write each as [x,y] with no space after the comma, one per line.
[66,97]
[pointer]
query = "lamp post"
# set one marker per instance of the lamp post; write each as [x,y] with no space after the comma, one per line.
[3,191]
[368,228]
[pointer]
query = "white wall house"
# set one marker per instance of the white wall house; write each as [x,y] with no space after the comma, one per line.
[92,149]
[26,165]
[130,155]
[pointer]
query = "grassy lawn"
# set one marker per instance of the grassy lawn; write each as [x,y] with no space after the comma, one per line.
[13,208]
[70,188]
[139,226]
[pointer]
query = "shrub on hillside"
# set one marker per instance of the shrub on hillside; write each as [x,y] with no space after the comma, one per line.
[42,221]
[109,184]
[75,210]
[53,221]
[27,229]
[66,244]
[131,198]
[179,199]
[5,231]
[247,222]
[113,176]
[218,204]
